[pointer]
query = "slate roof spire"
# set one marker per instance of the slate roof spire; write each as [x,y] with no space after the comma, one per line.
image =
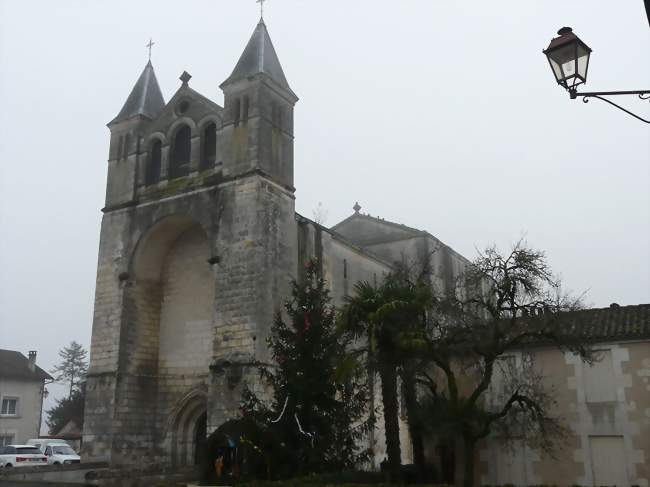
[259,57]
[145,99]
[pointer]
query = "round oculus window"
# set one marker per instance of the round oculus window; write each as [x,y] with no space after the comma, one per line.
[183,106]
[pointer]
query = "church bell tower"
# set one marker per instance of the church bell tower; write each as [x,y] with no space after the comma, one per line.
[198,246]
[259,113]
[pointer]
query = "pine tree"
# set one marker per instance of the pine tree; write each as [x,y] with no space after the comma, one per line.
[72,367]
[67,409]
[317,412]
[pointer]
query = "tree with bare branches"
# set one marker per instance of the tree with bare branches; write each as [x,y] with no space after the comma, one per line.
[502,303]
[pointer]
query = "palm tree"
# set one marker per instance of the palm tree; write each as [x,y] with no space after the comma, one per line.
[388,317]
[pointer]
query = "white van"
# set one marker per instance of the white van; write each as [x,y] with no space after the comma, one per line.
[58,452]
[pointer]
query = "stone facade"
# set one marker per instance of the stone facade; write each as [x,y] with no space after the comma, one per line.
[199,242]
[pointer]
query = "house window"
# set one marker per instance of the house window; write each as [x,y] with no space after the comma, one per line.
[180,163]
[608,460]
[599,379]
[153,168]
[6,439]
[502,379]
[9,406]
[209,147]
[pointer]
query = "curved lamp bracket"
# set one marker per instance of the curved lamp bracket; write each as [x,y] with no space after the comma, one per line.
[642,94]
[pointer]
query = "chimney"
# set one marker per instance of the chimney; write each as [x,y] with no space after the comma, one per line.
[32,360]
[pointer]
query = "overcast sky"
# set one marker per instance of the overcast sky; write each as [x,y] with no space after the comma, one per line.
[440,114]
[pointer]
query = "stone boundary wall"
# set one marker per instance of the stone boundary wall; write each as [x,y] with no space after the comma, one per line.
[93,474]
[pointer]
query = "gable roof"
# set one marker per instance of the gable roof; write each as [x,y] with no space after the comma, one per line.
[363,230]
[259,56]
[145,99]
[366,230]
[409,231]
[14,365]
[203,107]
[613,323]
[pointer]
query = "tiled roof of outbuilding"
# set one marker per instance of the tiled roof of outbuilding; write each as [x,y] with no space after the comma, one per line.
[614,323]
[14,365]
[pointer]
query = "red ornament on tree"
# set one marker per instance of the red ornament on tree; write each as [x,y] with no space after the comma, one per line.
[306,322]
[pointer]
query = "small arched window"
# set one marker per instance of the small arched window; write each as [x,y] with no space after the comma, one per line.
[236,111]
[153,168]
[125,148]
[244,109]
[209,146]
[181,150]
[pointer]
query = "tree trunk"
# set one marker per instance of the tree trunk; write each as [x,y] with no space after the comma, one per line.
[469,445]
[388,375]
[415,429]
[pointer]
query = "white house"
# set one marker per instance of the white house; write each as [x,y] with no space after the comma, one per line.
[22,384]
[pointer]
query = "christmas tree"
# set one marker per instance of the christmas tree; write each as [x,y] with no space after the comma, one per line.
[316,414]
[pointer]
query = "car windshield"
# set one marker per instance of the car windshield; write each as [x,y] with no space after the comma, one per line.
[31,450]
[63,450]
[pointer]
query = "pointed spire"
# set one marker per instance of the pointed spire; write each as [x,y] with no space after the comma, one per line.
[259,57]
[145,99]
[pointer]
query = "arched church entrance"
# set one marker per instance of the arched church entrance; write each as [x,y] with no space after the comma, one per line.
[189,432]
[171,333]
[200,439]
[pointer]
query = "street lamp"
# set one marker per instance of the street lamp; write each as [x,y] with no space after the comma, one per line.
[569,56]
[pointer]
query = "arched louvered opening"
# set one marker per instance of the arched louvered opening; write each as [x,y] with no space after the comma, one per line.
[154,164]
[181,152]
[209,146]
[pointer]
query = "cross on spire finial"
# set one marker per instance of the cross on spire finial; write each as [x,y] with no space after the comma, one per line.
[149,45]
[261,2]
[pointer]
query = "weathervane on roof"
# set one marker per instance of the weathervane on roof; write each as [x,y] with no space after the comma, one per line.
[261,2]
[149,45]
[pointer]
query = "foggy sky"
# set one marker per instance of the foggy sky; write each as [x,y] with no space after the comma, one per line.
[439,114]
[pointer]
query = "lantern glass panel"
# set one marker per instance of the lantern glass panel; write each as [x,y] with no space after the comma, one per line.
[557,70]
[565,57]
[583,62]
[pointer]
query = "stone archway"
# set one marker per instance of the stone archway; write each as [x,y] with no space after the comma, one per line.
[169,304]
[170,307]
[188,430]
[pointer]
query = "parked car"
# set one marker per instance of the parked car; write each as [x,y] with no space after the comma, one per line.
[41,443]
[21,456]
[58,452]
[61,454]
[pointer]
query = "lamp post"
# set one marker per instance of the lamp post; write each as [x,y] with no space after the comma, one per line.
[569,56]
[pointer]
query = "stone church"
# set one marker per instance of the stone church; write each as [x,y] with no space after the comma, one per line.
[199,242]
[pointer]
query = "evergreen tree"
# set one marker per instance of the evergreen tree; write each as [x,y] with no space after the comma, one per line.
[67,409]
[318,390]
[72,367]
